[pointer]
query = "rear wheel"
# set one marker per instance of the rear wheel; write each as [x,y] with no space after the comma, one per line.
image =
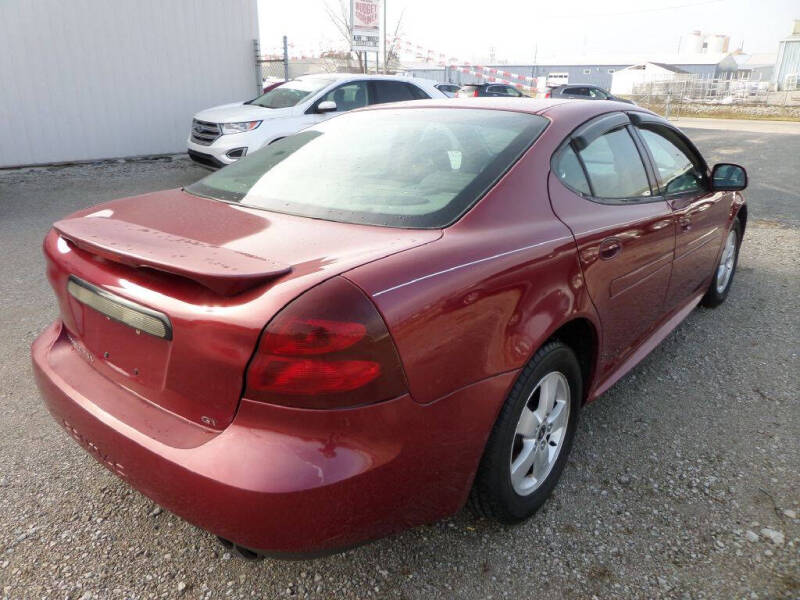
[530,441]
[726,268]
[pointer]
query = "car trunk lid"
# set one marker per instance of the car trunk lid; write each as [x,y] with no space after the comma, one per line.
[215,273]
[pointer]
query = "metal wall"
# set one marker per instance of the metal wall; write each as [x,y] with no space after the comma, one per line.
[93,79]
[788,63]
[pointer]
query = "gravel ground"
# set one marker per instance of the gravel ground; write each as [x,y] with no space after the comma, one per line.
[684,481]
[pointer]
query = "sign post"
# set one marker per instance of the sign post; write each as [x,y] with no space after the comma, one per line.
[365,25]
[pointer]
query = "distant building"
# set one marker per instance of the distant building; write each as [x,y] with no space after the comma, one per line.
[595,70]
[624,80]
[755,66]
[787,66]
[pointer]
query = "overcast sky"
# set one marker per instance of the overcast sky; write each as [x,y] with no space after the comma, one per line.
[468,28]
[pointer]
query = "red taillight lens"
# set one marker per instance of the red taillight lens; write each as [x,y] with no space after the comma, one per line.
[475,94]
[547,95]
[329,348]
[301,337]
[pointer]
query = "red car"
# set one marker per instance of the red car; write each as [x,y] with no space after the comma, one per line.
[360,327]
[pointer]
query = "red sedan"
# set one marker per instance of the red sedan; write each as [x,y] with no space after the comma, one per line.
[360,327]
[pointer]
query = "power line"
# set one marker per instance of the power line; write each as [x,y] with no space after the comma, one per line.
[631,12]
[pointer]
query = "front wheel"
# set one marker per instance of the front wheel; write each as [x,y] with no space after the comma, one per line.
[530,441]
[726,268]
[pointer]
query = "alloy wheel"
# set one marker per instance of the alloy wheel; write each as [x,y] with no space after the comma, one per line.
[726,262]
[540,433]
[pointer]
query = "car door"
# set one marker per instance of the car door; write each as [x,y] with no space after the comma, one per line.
[700,214]
[601,187]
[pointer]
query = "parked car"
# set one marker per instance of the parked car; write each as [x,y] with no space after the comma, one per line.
[270,83]
[355,329]
[222,135]
[448,89]
[583,92]
[476,90]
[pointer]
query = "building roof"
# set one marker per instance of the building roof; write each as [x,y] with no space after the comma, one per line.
[711,58]
[749,61]
[668,67]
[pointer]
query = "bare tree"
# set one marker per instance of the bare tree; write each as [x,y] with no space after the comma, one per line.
[340,17]
[392,50]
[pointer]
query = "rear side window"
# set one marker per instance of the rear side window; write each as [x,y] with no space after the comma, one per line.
[417,92]
[392,91]
[577,91]
[614,166]
[679,174]
[570,172]
[468,90]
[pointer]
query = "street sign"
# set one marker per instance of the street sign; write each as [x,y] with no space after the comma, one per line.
[366,25]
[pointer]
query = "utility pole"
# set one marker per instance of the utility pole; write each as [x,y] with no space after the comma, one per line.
[385,56]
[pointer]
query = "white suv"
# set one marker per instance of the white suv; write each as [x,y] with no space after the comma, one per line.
[223,134]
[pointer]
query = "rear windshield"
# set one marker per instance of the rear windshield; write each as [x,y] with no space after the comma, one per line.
[415,168]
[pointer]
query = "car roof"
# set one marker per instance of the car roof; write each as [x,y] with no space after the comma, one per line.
[566,85]
[346,76]
[569,108]
[484,84]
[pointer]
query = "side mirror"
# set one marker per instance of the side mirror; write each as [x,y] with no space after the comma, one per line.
[728,177]
[326,106]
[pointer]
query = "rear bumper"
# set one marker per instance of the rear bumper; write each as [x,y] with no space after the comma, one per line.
[279,480]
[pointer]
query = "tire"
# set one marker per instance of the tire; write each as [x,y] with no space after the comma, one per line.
[496,493]
[717,292]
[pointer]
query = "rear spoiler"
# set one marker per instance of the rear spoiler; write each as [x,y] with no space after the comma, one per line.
[222,270]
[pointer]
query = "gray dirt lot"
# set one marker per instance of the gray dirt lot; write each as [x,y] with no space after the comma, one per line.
[677,476]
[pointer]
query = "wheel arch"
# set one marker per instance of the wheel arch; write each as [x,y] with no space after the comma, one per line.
[742,215]
[581,335]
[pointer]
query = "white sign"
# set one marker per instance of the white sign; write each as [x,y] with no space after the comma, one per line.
[366,25]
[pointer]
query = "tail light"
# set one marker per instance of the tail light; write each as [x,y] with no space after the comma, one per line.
[475,93]
[547,95]
[329,348]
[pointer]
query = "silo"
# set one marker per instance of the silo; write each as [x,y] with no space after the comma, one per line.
[718,43]
[692,43]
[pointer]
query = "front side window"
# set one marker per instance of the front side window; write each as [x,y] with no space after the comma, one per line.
[597,94]
[348,96]
[679,174]
[410,168]
[614,166]
[291,93]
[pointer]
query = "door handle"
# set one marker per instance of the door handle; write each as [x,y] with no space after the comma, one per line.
[610,248]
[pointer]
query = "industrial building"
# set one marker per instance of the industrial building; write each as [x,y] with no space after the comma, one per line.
[96,79]
[595,70]
[625,80]
[787,66]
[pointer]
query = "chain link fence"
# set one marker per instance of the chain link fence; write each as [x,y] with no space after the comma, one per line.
[702,96]
[270,68]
